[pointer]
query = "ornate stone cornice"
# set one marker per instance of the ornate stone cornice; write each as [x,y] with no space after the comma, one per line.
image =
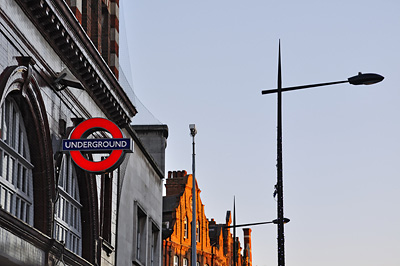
[61,29]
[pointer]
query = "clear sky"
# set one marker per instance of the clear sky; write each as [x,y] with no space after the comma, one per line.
[206,62]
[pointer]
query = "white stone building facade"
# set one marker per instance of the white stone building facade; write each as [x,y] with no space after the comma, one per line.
[52,77]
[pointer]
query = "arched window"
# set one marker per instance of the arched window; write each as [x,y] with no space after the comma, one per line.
[176,261]
[198,231]
[68,226]
[185,227]
[16,188]
[185,262]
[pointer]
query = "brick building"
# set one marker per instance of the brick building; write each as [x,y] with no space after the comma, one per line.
[58,67]
[214,241]
[100,20]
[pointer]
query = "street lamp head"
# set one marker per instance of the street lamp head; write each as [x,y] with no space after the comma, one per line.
[365,79]
[193,130]
[285,221]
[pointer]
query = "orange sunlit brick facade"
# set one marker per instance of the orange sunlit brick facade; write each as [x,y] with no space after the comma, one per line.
[214,241]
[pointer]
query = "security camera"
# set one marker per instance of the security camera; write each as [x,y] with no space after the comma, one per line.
[193,130]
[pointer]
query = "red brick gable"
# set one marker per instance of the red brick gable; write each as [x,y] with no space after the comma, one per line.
[215,240]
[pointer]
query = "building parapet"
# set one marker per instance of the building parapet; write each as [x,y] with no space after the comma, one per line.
[62,29]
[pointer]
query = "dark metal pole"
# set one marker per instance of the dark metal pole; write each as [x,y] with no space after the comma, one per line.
[251,224]
[360,79]
[193,132]
[279,184]
[304,87]
[234,233]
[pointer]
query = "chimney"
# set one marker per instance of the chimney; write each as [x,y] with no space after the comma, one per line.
[154,139]
[176,182]
[247,246]
[212,222]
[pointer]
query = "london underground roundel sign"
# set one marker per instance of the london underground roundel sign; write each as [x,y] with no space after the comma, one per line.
[117,146]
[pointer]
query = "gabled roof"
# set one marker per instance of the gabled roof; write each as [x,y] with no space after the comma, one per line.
[170,203]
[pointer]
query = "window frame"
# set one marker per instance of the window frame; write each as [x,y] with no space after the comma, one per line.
[67,213]
[185,228]
[176,260]
[154,244]
[140,241]
[197,231]
[16,175]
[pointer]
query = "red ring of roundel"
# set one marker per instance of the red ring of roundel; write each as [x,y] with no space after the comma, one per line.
[112,160]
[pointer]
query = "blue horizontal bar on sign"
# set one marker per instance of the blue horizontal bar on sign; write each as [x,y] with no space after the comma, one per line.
[96,144]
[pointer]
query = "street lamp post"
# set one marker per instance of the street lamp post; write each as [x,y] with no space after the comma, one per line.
[360,79]
[234,234]
[193,133]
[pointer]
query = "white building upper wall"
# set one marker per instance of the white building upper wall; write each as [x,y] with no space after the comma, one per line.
[61,104]
[140,186]
[140,180]
[78,45]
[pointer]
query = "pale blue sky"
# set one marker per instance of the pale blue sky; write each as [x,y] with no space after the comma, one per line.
[206,62]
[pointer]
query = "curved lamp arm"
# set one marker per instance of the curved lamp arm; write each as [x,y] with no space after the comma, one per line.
[360,79]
